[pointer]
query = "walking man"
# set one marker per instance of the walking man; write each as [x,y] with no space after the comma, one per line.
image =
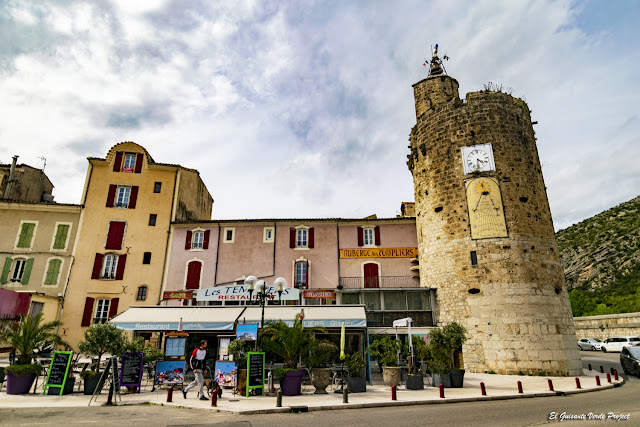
[197,364]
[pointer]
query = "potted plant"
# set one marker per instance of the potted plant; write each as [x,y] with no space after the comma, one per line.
[385,350]
[415,379]
[99,339]
[319,354]
[239,349]
[443,344]
[356,381]
[290,343]
[25,336]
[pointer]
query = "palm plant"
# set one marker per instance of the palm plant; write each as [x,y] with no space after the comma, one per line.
[289,342]
[30,334]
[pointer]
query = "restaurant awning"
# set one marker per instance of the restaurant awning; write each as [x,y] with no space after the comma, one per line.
[216,318]
[158,318]
[328,316]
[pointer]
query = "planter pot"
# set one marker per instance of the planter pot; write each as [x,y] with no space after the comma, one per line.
[415,382]
[391,375]
[357,384]
[19,384]
[444,379]
[242,382]
[292,382]
[321,378]
[90,384]
[68,388]
[457,378]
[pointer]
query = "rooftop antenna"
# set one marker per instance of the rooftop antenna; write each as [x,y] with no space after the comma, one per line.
[45,162]
[436,67]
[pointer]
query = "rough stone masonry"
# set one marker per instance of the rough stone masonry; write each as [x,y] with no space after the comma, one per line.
[510,293]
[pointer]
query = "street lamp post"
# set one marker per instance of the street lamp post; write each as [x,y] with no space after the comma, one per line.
[263,293]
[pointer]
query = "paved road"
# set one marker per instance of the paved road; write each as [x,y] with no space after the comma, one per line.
[518,412]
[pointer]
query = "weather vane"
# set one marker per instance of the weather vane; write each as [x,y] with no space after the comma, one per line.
[436,67]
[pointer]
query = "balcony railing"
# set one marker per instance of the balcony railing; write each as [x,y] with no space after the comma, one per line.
[386,318]
[380,282]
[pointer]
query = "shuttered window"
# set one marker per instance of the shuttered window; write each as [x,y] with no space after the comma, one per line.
[53,271]
[109,266]
[60,241]
[115,235]
[26,235]
[193,275]
[102,311]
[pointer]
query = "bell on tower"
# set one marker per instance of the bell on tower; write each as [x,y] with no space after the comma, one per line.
[436,67]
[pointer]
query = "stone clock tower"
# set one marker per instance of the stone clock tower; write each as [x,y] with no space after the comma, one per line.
[485,234]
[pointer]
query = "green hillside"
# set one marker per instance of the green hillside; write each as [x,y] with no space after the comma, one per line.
[601,259]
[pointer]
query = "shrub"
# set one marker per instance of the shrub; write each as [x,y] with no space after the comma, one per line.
[19,370]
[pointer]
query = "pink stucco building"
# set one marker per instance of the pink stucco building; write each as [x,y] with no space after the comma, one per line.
[352,261]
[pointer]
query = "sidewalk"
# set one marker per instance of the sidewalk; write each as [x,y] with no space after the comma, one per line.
[497,387]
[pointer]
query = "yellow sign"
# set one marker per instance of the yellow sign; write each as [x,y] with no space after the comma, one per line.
[486,214]
[379,253]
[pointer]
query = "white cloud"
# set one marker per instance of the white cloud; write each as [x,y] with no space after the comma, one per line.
[303,110]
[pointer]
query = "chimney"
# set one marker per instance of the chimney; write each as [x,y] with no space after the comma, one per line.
[7,189]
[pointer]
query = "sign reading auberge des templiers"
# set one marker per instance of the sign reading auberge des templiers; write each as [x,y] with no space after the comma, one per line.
[379,253]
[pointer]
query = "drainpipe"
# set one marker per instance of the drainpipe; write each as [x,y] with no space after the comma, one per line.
[12,171]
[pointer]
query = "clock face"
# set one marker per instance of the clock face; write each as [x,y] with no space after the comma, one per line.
[478,158]
[486,214]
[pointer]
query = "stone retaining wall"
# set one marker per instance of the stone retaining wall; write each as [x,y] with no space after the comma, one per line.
[611,325]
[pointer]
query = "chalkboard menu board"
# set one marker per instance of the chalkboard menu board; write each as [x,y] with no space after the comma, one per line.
[131,372]
[255,371]
[58,370]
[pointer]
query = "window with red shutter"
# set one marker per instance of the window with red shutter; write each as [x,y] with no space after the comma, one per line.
[112,195]
[88,311]
[97,266]
[134,197]
[360,237]
[187,243]
[311,237]
[138,163]
[292,237]
[205,244]
[377,232]
[115,235]
[122,259]
[118,163]
[113,308]
[193,275]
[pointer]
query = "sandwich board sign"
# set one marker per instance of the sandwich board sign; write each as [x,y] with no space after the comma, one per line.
[58,370]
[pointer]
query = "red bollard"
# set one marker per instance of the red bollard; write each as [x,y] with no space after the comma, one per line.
[578,382]
[612,370]
[519,387]
[393,392]
[550,385]
[214,398]
[484,392]
[608,377]
[589,366]
[601,369]
[441,391]
[615,374]
[170,394]
[597,380]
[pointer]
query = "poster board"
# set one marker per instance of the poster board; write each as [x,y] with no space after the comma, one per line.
[225,374]
[255,371]
[248,332]
[58,370]
[223,347]
[131,372]
[169,372]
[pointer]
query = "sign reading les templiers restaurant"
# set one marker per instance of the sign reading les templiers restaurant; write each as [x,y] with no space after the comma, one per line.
[379,253]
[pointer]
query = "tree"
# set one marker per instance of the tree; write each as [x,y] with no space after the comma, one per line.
[139,345]
[30,334]
[444,342]
[289,342]
[102,338]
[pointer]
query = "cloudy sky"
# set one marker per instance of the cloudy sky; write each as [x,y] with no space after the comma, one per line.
[303,108]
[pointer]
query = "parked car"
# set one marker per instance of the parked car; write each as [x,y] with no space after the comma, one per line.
[589,344]
[630,360]
[616,343]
